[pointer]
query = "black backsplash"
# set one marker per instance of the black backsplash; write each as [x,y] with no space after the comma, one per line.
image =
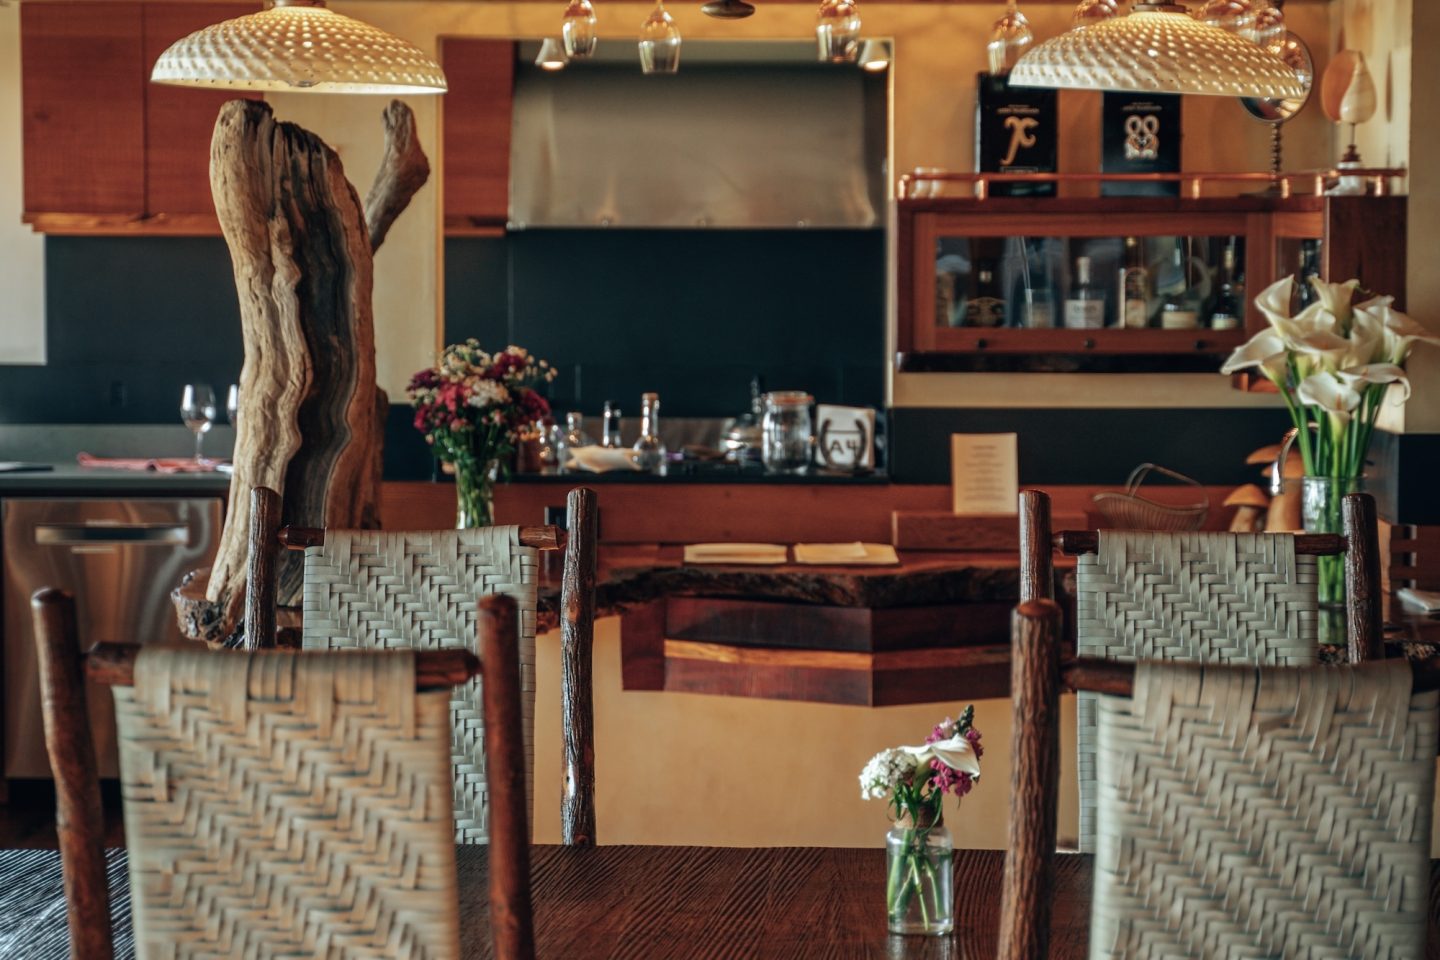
[689,314]
[130,321]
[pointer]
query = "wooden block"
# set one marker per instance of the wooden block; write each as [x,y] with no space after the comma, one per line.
[475,128]
[939,530]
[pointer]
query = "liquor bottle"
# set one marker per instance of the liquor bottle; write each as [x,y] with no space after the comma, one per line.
[649,451]
[1181,309]
[1134,287]
[1037,307]
[1228,312]
[610,427]
[987,307]
[1085,307]
[1309,267]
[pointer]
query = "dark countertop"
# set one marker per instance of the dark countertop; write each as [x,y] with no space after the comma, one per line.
[72,480]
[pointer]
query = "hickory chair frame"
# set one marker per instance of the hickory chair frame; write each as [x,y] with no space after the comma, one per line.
[80,820]
[577,629]
[1037,678]
[1359,543]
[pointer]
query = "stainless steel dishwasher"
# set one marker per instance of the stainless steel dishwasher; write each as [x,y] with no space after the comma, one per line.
[120,559]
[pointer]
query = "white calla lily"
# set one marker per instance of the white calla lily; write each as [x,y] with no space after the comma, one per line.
[956,753]
[1361,377]
[1274,301]
[1266,351]
[1399,333]
[1337,300]
[1332,394]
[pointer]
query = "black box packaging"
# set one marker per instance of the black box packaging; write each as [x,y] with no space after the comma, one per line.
[1140,134]
[1017,130]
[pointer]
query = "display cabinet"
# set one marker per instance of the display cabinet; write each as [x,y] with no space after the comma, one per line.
[1119,284]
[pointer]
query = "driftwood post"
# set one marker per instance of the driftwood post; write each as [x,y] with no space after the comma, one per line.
[311,420]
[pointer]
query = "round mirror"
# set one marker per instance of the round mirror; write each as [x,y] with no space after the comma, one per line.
[1296,55]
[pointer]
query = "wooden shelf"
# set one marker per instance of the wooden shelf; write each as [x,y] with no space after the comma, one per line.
[1009,340]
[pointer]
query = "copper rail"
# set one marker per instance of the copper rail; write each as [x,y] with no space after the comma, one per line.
[1193,183]
[541,538]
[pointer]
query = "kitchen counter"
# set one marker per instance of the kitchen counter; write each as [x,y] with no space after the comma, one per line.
[72,480]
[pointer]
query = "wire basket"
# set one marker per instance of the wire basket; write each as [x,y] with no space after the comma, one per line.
[1132,511]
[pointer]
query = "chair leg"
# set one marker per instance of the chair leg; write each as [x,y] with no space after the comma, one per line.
[1034,782]
[1363,614]
[79,819]
[261,569]
[511,926]
[577,706]
[1037,563]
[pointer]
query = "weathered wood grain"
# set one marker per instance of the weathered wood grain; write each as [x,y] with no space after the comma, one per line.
[261,569]
[1364,619]
[1037,560]
[577,635]
[79,820]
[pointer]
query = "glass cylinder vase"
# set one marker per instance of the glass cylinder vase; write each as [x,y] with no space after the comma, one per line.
[475,494]
[1321,499]
[919,889]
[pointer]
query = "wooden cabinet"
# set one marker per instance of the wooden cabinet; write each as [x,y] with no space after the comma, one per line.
[105,150]
[475,130]
[972,271]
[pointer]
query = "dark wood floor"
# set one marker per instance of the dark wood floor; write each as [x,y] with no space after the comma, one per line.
[27,817]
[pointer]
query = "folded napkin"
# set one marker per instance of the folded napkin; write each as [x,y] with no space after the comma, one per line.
[600,459]
[846,554]
[154,464]
[737,553]
[1425,601]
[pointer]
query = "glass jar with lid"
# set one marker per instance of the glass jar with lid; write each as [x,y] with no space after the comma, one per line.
[787,432]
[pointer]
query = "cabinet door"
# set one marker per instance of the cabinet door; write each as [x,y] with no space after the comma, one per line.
[476,133]
[83,90]
[179,121]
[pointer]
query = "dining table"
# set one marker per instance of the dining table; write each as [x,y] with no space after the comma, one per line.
[697,903]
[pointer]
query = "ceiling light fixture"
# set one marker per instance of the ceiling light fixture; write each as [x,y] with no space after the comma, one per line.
[875,56]
[1157,48]
[552,55]
[299,46]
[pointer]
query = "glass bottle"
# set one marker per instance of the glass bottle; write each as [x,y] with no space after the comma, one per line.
[575,435]
[1085,307]
[919,888]
[786,432]
[649,450]
[610,427]
[1134,287]
[1038,308]
[987,307]
[560,450]
[1309,267]
[545,452]
[1228,312]
[1181,309]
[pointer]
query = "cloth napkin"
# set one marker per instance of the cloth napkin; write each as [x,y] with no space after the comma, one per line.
[600,459]
[153,464]
[736,553]
[846,554]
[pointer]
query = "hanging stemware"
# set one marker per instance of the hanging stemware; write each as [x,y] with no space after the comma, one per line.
[578,29]
[1089,12]
[837,31]
[659,42]
[1232,16]
[1010,37]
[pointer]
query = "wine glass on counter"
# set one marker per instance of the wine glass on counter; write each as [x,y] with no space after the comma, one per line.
[197,409]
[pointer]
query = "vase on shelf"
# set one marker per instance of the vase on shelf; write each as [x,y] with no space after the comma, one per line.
[1321,499]
[919,890]
[475,494]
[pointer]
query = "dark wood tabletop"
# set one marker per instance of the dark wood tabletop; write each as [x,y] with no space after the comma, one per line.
[696,903]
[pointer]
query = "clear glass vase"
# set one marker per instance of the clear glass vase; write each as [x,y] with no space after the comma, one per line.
[1321,498]
[475,494]
[919,888]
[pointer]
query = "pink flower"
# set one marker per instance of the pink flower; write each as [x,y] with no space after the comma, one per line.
[973,735]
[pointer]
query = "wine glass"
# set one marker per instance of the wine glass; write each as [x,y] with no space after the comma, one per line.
[1009,38]
[577,29]
[1088,12]
[197,409]
[232,405]
[837,31]
[659,42]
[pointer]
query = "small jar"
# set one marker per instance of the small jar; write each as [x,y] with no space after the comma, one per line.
[919,888]
[787,432]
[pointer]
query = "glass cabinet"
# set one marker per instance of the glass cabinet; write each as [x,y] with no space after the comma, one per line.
[1114,284]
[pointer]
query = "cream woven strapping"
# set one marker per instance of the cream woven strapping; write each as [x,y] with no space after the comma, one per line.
[1201,597]
[421,590]
[286,805]
[1265,813]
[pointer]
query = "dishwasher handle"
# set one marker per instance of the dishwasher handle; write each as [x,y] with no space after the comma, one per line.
[111,534]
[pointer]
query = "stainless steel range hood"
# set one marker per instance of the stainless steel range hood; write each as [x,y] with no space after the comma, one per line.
[746,135]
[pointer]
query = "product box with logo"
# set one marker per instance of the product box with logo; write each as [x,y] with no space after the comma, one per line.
[1016,131]
[1141,134]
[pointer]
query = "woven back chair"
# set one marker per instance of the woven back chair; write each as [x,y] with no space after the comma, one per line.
[1244,811]
[280,803]
[1199,597]
[419,589]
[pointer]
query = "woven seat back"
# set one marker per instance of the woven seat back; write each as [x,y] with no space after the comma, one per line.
[1265,813]
[286,805]
[375,589]
[1189,597]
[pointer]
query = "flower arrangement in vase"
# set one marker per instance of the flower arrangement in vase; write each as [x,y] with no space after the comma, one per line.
[919,888]
[472,407]
[1333,363]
